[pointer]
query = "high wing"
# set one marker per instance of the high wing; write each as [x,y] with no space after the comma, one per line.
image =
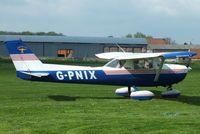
[129,56]
[36,74]
[126,56]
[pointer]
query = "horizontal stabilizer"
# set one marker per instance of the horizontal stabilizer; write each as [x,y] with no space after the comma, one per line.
[36,74]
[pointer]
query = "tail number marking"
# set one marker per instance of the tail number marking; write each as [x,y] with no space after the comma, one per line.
[76,75]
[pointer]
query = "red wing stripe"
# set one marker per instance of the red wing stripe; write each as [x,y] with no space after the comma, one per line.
[23,57]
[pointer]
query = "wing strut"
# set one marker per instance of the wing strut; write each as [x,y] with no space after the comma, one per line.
[158,71]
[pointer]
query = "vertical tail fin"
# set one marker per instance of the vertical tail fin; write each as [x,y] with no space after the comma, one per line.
[22,57]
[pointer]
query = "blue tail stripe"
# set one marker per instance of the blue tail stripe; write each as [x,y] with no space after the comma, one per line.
[17,47]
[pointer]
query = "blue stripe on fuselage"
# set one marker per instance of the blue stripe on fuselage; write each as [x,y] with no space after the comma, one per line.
[99,77]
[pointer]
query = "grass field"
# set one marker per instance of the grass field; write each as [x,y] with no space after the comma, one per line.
[36,107]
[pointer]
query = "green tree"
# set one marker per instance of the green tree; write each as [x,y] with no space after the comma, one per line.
[31,33]
[141,35]
[110,36]
[129,36]
[138,35]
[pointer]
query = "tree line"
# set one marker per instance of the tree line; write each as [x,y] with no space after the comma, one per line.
[31,33]
[139,35]
[142,35]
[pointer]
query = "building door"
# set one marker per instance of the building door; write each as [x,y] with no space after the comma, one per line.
[67,53]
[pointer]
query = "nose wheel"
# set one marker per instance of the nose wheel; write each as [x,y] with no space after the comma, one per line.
[171,93]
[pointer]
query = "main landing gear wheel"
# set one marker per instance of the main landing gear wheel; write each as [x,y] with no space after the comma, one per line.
[125,91]
[142,95]
[171,93]
[134,93]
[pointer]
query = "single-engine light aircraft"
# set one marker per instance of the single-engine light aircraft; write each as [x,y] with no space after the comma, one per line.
[125,69]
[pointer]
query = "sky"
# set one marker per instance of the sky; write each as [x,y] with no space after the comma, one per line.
[175,19]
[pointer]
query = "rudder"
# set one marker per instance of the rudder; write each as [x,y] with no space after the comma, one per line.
[23,58]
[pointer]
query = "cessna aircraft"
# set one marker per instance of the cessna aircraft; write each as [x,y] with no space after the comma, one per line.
[125,69]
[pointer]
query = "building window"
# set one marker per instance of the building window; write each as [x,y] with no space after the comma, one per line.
[126,49]
[106,49]
[129,49]
[138,50]
[113,49]
[67,53]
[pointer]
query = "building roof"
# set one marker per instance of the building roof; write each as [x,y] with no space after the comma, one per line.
[157,41]
[181,47]
[71,39]
[198,53]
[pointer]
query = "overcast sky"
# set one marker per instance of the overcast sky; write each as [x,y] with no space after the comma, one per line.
[177,19]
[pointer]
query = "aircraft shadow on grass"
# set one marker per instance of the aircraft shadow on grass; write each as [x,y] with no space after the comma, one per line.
[74,98]
[193,100]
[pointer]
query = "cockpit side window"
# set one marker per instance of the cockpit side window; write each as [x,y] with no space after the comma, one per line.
[139,64]
[121,63]
[148,64]
[156,63]
[128,64]
[135,64]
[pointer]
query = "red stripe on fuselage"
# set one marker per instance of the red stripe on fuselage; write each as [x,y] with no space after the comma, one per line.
[143,71]
[23,57]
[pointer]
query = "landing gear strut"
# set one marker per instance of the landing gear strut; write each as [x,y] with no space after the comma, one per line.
[169,88]
[129,90]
